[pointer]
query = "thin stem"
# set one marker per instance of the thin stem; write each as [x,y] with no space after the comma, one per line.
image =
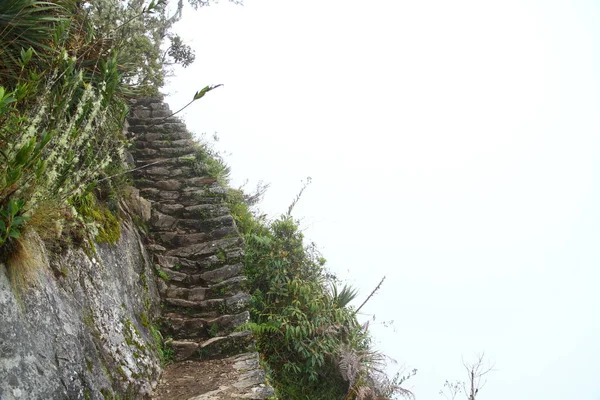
[371,295]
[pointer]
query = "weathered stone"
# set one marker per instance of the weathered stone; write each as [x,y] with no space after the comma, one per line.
[218,190]
[200,181]
[161,113]
[233,343]
[229,286]
[176,151]
[156,248]
[141,113]
[168,195]
[175,276]
[245,362]
[149,193]
[202,249]
[223,232]
[250,378]
[170,128]
[204,225]
[147,152]
[166,237]
[152,136]
[161,171]
[163,221]
[171,209]
[159,106]
[188,239]
[166,261]
[183,349]
[205,211]
[162,287]
[168,185]
[228,323]
[199,306]
[237,303]
[138,205]
[185,327]
[80,332]
[223,273]
[196,294]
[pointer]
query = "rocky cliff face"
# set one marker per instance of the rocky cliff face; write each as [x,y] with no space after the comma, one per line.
[82,332]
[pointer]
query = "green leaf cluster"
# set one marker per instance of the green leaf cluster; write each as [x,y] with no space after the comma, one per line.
[300,324]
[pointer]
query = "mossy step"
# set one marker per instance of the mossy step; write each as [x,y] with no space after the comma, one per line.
[216,347]
[185,327]
[154,120]
[211,307]
[168,136]
[200,251]
[158,144]
[169,127]
[194,288]
[181,239]
[227,259]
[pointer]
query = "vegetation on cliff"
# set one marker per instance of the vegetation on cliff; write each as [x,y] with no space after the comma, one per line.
[308,333]
[66,72]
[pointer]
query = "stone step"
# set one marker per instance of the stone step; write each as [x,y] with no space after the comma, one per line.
[225,280]
[158,117]
[213,348]
[159,143]
[145,154]
[159,169]
[168,127]
[188,276]
[148,137]
[212,262]
[185,327]
[208,308]
[194,288]
[175,239]
[200,251]
[197,211]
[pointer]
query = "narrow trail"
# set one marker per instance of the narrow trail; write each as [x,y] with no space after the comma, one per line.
[197,246]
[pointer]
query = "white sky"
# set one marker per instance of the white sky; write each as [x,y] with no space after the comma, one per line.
[453,148]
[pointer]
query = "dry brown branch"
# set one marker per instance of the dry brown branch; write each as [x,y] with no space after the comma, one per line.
[476,371]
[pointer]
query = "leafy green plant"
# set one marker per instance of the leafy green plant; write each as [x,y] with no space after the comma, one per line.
[165,350]
[10,221]
[162,274]
[213,330]
[307,332]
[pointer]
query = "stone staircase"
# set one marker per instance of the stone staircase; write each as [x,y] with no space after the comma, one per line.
[200,253]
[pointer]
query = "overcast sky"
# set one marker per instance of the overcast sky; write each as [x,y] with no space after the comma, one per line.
[453,147]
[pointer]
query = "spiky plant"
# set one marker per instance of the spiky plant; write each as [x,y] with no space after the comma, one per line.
[26,24]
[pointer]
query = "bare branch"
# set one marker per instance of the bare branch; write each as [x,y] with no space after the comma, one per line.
[476,371]
[371,295]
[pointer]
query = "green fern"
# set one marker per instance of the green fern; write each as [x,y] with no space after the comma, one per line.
[260,329]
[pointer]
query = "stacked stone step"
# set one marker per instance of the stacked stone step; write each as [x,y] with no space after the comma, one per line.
[195,241]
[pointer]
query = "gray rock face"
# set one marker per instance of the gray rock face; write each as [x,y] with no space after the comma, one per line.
[79,333]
